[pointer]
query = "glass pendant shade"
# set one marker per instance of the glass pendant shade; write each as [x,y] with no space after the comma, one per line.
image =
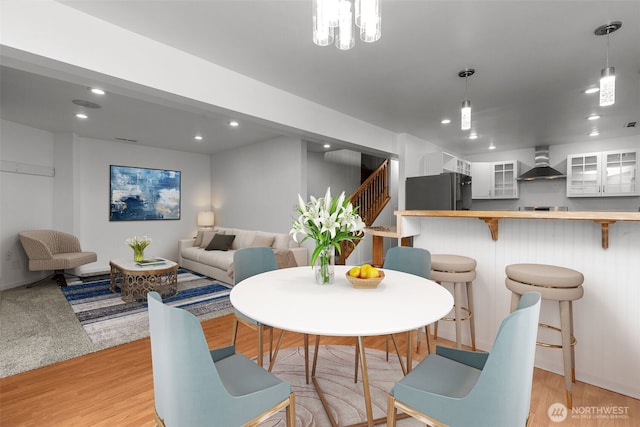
[465,115]
[345,40]
[323,17]
[607,86]
[333,20]
[368,20]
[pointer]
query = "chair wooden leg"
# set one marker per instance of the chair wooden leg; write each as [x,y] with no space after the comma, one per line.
[427,331]
[306,358]
[270,344]
[234,334]
[355,374]
[457,291]
[260,348]
[391,411]
[386,345]
[435,330]
[315,356]
[291,411]
[472,322]
[272,361]
[515,300]
[565,326]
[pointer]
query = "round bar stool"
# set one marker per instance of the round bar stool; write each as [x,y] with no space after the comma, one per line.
[557,284]
[459,270]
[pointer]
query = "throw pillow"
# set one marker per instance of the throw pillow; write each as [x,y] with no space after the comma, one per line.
[198,240]
[221,242]
[261,241]
[207,236]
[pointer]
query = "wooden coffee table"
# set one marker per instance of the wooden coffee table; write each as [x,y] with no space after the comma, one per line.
[135,281]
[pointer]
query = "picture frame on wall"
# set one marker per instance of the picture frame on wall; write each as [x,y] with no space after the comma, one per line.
[143,194]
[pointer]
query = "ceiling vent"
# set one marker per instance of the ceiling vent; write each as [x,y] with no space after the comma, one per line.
[631,124]
[541,170]
[126,140]
[86,104]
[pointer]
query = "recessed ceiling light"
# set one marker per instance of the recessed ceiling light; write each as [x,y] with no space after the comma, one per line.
[593,117]
[445,121]
[82,116]
[492,147]
[327,145]
[198,137]
[97,91]
[594,133]
[592,90]
[234,123]
[473,136]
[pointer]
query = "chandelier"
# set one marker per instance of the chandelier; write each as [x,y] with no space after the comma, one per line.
[333,21]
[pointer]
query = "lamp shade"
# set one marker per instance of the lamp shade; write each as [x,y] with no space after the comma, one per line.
[465,115]
[205,219]
[607,86]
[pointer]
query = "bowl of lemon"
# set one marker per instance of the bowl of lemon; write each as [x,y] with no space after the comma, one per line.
[365,276]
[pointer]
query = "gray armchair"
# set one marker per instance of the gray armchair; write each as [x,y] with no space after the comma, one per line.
[54,250]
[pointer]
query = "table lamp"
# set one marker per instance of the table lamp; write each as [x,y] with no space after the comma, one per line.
[205,220]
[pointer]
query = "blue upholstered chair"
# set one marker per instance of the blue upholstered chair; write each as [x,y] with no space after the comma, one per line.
[410,260]
[248,262]
[464,388]
[194,386]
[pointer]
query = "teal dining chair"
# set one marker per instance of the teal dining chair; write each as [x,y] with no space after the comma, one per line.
[248,262]
[415,261]
[464,388]
[194,386]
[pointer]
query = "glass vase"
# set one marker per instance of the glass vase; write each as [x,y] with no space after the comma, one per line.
[138,254]
[324,266]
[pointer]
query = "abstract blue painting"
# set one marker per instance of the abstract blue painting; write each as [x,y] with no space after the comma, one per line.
[141,194]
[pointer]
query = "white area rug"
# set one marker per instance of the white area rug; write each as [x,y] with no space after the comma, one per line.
[334,372]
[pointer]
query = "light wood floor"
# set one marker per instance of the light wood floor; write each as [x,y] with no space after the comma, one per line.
[114,387]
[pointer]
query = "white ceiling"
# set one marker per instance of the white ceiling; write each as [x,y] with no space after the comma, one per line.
[533,59]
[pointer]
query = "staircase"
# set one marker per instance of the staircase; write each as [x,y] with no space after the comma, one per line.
[371,197]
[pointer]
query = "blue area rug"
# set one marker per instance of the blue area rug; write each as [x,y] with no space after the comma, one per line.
[106,318]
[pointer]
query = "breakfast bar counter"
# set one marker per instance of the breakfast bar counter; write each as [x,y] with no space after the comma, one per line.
[491,218]
[604,246]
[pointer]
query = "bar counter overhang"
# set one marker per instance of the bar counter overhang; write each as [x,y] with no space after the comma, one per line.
[606,318]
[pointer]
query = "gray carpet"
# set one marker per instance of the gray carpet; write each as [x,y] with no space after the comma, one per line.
[38,328]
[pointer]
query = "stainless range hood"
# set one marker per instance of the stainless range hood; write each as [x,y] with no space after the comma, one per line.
[541,170]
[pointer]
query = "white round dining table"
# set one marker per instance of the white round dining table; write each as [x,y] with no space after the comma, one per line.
[291,300]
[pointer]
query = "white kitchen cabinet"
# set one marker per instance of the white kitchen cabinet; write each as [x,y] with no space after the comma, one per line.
[439,161]
[495,180]
[603,174]
[481,180]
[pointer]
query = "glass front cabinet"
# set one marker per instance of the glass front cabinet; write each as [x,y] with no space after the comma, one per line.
[603,174]
[495,180]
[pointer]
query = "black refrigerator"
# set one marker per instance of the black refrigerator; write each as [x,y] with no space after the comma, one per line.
[448,191]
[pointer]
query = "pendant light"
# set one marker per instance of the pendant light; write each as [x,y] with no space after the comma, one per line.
[608,74]
[338,20]
[465,112]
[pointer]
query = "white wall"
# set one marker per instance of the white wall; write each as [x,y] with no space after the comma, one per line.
[256,187]
[26,201]
[554,192]
[76,200]
[106,237]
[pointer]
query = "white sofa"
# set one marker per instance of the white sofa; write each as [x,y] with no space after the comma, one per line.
[192,253]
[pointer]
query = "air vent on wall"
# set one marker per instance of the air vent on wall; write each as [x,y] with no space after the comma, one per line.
[126,140]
